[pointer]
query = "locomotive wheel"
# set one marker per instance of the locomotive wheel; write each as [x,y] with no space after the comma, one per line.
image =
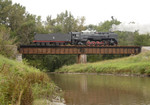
[93,43]
[88,43]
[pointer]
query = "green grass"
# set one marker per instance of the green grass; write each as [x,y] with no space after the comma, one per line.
[21,84]
[138,64]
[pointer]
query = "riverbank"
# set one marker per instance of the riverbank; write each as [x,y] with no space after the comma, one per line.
[133,65]
[24,85]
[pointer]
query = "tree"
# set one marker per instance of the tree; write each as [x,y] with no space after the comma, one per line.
[65,22]
[91,27]
[26,31]
[16,16]
[39,26]
[5,41]
[106,26]
[142,40]
[81,22]
[50,25]
[5,7]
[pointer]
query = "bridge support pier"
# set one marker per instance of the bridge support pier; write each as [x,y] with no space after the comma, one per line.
[82,58]
[19,57]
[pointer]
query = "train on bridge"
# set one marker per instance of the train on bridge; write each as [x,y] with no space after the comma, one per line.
[77,38]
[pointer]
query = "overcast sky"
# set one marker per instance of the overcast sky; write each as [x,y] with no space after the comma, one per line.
[95,11]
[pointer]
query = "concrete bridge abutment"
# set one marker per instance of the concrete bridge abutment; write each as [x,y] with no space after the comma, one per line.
[19,57]
[81,58]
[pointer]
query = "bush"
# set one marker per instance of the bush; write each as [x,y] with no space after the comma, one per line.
[21,84]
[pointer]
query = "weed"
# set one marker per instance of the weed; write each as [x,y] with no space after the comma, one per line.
[138,64]
[21,84]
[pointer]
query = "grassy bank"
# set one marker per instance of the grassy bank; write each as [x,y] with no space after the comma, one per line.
[22,85]
[139,64]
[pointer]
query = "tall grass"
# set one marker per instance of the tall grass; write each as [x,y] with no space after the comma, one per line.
[21,84]
[138,64]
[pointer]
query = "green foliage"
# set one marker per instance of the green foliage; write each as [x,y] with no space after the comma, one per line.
[142,40]
[26,30]
[64,23]
[91,27]
[5,41]
[21,24]
[5,35]
[16,16]
[138,64]
[133,38]
[95,58]
[126,38]
[50,62]
[5,9]
[21,84]
[106,26]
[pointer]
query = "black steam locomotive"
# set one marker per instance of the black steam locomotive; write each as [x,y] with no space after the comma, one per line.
[77,38]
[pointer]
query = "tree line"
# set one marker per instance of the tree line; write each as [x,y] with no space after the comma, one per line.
[17,27]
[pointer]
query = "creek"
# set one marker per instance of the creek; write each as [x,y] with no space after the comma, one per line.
[92,89]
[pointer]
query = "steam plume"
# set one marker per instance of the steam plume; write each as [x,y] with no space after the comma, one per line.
[132,27]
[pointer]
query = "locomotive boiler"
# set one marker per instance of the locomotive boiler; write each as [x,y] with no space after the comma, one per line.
[77,38]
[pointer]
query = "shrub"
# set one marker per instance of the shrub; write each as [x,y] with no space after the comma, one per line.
[21,84]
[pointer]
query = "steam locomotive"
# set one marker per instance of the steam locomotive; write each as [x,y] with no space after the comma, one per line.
[77,38]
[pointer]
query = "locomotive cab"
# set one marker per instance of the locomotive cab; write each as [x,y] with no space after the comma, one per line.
[76,38]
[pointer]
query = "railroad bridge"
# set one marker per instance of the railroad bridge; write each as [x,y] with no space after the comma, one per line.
[81,51]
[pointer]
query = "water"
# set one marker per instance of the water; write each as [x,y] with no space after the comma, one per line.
[85,89]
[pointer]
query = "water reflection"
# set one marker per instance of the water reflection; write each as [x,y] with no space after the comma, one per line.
[103,90]
[83,83]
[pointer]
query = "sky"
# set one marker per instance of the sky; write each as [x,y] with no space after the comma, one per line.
[95,11]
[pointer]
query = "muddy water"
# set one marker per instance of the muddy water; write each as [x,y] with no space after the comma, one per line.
[85,89]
